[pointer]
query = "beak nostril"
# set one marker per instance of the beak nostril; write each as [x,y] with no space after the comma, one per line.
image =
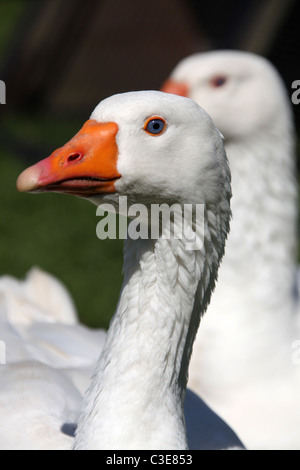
[74,157]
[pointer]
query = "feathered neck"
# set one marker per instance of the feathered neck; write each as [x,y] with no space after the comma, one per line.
[136,398]
[263,233]
[254,300]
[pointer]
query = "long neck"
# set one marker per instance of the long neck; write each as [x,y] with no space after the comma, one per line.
[253,303]
[261,248]
[137,393]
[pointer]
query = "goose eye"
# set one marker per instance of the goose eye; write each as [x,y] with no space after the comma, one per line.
[155,126]
[218,81]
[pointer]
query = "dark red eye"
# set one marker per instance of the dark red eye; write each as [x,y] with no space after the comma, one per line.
[218,81]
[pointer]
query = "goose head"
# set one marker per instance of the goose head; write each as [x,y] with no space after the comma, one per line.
[241,91]
[149,146]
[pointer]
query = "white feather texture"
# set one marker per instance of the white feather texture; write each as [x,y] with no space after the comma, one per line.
[138,390]
[242,359]
[40,297]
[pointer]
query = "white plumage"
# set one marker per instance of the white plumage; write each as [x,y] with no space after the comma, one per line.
[40,297]
[137,392]
[242,360]
[40,312]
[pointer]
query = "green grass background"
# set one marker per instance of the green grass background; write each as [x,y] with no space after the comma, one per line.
[56,233]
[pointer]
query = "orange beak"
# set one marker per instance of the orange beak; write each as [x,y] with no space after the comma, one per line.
[175,88]
[85,166]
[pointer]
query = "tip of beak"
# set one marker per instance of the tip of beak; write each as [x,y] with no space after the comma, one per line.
[28,180]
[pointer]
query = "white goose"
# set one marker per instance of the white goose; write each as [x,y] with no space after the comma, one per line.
[242,359]
[40,297]
[151,147]
[38,321]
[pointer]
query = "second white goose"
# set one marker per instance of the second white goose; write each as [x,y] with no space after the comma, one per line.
[242,360]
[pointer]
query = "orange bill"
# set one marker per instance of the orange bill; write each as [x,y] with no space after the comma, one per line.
[175,88]
[85,166]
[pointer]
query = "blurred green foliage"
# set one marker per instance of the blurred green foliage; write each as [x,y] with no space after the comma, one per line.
[10,13]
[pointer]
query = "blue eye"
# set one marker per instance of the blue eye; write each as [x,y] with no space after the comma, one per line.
[155,125]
